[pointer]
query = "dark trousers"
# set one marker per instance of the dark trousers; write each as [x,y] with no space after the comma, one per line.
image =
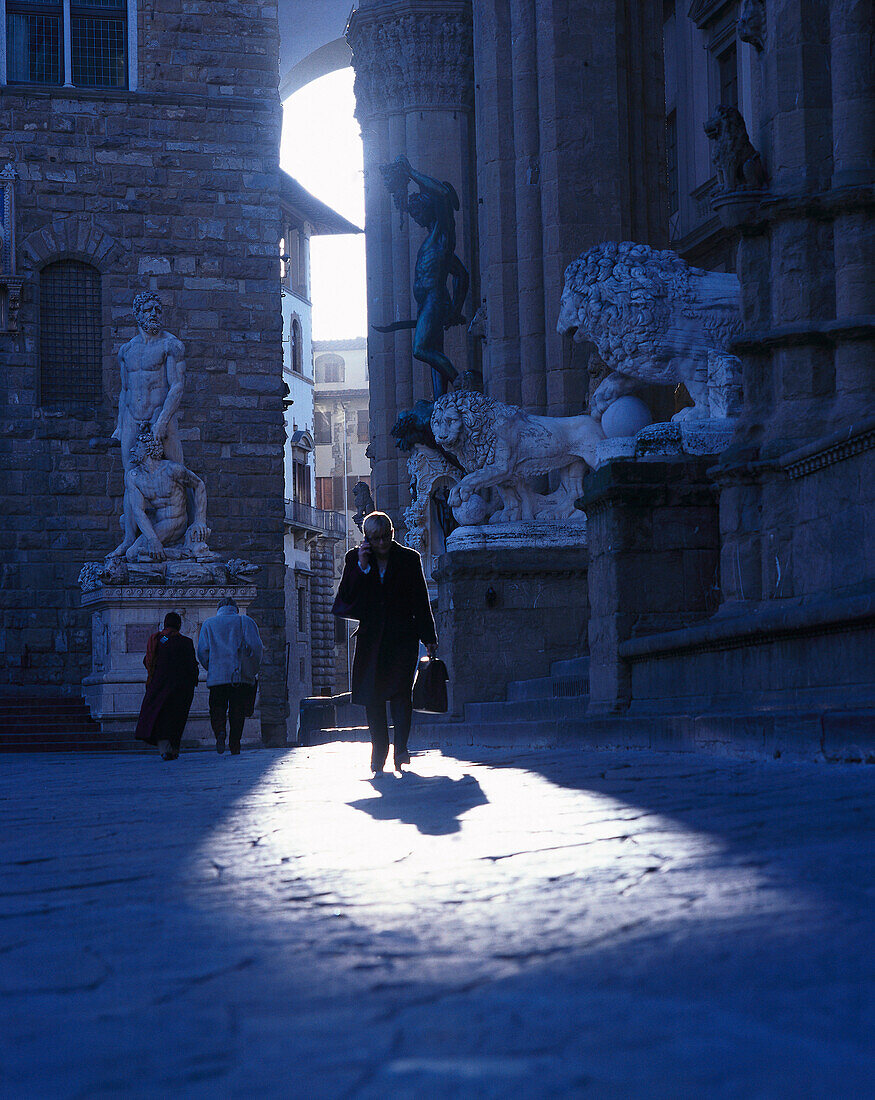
[228,702]
[401,707]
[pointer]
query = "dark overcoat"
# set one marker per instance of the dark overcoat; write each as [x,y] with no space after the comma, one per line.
[394,617]
[169,691]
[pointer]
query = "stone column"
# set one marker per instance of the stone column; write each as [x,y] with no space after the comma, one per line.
[795,128]
[853,123]
[570,151]
[414,93]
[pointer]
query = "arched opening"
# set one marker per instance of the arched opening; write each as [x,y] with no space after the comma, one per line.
[312,40]
[322,150]
[327,59]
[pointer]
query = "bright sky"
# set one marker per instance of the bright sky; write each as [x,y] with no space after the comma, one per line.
[322,148]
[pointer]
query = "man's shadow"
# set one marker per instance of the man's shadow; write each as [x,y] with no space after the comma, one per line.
[433,803]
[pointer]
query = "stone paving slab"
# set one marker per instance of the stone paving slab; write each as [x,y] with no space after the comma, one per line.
[521,924]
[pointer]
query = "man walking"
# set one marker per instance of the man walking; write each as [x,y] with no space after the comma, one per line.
[173,674]
[384,588]
[230,650]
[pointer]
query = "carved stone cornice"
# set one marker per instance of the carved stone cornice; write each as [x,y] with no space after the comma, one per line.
[410,54]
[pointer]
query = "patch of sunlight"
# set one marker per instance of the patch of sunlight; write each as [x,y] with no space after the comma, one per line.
[485,855]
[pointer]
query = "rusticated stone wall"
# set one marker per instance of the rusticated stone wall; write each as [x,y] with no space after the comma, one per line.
[172,188]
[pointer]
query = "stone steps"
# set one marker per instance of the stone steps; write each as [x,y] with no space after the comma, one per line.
[539,712]
[59,742]
[531,710]
[567,680]
[337,733]
[54,724]
[526,710]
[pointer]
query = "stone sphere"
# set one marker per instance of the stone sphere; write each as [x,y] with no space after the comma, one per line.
[472,512]
[626,416]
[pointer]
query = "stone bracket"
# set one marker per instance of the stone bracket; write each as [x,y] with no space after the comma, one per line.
[12,305]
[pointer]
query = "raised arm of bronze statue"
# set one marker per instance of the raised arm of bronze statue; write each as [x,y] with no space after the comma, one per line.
[433,207]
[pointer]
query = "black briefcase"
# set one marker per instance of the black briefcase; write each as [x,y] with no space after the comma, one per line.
[249,698]
[430,686]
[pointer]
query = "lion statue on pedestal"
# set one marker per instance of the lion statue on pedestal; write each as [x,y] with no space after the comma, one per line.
[501,446]
[739,166]
[655,319]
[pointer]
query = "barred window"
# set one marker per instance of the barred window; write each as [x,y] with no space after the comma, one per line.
[98,30]
[34,41]
[70,337]
[98,43]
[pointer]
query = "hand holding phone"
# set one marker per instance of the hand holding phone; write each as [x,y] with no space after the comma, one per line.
[364,551]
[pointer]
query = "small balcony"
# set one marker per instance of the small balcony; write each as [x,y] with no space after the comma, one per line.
[310,520]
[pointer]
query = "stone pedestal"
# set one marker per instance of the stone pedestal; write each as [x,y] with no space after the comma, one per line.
[122,618]
[507,612]
[652,529]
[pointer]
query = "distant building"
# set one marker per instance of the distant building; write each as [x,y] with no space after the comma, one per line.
[341,434]
[311,529]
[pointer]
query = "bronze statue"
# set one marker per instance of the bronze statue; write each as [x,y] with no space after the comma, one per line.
[433,207]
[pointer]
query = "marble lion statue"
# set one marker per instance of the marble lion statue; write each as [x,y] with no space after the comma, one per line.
[739,166]
[501,446]
[655,319]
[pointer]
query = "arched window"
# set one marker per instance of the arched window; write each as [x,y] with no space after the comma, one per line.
[70,337]
[330,368]
[297,347]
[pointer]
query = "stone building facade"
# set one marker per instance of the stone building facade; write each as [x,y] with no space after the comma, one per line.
[734,595]
[342,433]
[155,168]
[729,599]
[311,532]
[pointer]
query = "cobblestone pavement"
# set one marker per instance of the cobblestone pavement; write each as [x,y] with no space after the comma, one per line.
[518,925]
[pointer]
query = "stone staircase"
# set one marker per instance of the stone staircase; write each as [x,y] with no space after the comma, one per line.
[54,724]
[533,714]
[530,715]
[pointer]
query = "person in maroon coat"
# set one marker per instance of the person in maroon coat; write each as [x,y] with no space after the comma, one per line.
[383,586]
[173,673]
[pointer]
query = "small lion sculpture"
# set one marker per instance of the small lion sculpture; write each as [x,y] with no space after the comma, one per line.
[655,319]
[739,166]
[501,446]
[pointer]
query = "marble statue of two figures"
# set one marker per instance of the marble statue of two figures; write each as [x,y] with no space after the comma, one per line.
[164,514]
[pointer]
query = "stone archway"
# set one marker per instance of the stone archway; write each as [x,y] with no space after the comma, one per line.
[312,41]
[326,59]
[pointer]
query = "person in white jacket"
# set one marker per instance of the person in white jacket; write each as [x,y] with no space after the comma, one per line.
[230,649]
